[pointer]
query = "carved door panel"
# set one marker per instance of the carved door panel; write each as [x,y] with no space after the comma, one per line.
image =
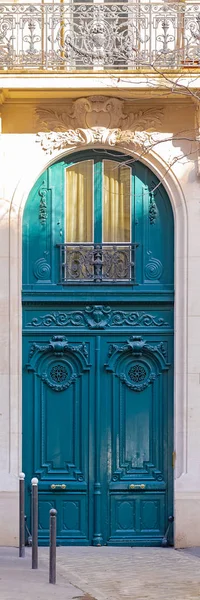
[56,408]
[139,407]
[98,428]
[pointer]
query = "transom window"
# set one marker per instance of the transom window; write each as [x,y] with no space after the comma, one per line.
[98,202]
[97,244]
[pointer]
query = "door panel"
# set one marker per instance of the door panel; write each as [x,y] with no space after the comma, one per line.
[138,382]
[100,405]
[137,519]
[58,374]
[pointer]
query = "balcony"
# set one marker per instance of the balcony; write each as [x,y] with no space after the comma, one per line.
[97,263]
[71,36]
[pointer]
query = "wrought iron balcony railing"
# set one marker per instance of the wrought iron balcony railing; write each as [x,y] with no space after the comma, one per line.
[97,263]
[71,35]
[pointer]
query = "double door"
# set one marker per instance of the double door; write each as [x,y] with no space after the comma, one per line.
[97,424]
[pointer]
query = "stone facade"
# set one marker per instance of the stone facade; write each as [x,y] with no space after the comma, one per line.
[38,128]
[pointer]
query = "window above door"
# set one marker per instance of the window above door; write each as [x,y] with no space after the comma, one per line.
[99,218]
[98,210]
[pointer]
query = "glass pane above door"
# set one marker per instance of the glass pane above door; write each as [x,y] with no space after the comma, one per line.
[79,202]
[116,202]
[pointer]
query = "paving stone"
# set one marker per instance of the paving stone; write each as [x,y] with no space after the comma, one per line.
[102,574]
[131,573]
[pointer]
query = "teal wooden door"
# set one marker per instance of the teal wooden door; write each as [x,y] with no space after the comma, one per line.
[98,365]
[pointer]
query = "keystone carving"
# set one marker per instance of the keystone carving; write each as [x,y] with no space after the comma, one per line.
[97,120]
[98,112]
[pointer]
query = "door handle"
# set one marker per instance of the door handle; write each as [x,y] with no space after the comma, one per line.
[58,486]
[134,486]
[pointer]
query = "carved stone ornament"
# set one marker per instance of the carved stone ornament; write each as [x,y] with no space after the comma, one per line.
[96,120]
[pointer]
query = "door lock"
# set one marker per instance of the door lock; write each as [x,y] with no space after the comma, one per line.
[58,486]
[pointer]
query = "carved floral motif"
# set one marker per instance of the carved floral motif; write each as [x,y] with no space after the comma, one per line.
[138,387]
[137,346]
[59,373]
[152,209]
[96,120]
[140,375]
[137,373]
[58,345]
[57,376]
[98,317]
[58,387]
[43,204]
[98,112]
[53,140]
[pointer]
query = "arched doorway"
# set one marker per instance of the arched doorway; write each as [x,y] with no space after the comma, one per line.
[98,350]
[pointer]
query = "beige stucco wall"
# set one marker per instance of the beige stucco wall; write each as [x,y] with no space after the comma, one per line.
[22,160]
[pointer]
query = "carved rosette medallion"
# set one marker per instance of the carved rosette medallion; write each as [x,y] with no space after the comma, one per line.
[137,373]
[58,363]
[58,376]
[137,363]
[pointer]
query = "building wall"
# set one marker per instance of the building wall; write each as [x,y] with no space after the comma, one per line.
[172,155]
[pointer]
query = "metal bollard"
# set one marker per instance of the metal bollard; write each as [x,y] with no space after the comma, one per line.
[21,516]
[34,520]
[52,547]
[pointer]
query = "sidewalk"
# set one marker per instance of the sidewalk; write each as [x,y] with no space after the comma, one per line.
[102,574]
[19,582]
[111,573]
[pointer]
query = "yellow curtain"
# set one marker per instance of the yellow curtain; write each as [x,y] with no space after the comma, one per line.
[79,202]
[116,202]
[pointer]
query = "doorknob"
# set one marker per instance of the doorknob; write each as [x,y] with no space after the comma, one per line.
[134,486]
[58,486]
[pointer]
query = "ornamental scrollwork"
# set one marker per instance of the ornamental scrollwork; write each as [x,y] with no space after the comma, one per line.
[152,209]
[58,387]
[98,317]
[96,120]
[43,204]
[138,387]
[137,347]
[42,269]
[58,346]
[154,268]
[61,140]
[97,112]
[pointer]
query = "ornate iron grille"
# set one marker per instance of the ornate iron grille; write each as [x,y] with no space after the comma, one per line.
[73,35]
[97,263]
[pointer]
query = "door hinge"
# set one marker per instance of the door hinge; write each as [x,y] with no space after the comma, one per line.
[173,459]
